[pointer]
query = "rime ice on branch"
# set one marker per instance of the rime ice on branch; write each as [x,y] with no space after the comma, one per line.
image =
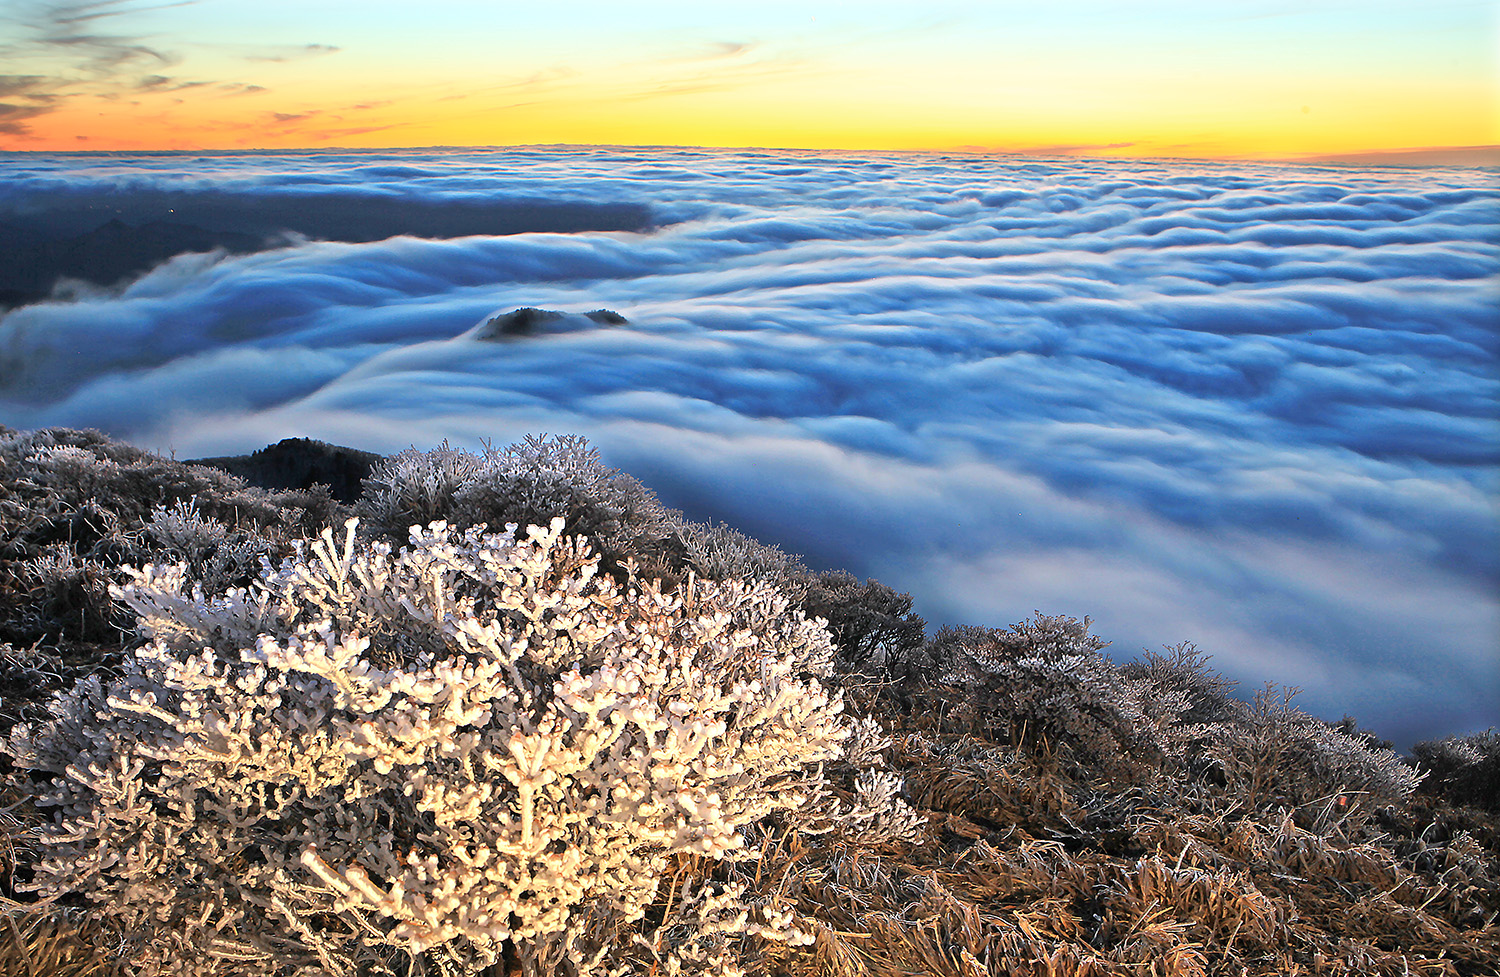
[377,756]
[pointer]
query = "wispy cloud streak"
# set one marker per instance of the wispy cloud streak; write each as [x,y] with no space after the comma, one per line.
[82,58]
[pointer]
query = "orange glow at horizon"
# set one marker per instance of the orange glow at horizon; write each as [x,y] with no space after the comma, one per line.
[1165,86]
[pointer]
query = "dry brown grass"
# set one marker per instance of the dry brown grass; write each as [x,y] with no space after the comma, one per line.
[1013,880]
[1019,874]
[35,944]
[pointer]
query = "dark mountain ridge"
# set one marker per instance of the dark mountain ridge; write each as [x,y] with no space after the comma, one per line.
[111,237]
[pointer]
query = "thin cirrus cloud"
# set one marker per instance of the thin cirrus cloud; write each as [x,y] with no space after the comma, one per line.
[282,53]
[115,52]
[75,38]
[63,34]
[1251,406]
[19,84]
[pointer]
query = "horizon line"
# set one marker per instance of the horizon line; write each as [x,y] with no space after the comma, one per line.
[1472,156]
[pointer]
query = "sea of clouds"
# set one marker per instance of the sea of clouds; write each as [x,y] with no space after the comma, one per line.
[1250,406]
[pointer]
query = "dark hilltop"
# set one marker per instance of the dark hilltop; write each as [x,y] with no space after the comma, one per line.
[301,463]
[108,238]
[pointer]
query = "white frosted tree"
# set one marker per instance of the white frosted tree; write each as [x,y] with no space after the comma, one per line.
[389,762]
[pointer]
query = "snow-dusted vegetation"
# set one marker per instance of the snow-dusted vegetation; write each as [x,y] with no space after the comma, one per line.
[516,717]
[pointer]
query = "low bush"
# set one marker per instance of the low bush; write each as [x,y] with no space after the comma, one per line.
[74,506]
[1463,769]
[1042,685]
[528,483]
[376,761]
[1274,757]
[872,625]
[540,479]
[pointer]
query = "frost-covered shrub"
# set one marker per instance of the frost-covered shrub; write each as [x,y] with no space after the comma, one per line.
[1350,726]
[1464,769]
[375,761]
[869,809]
[182,531]
[417,487]
[1274,755]
[531,482]
[68,596]
[1183,698]
[1267,753]
[21,444]
[75,505]
[872,625]
[720,552]
[1041,684]
[61,469]
[1180,684]
[216,556]
[540,479]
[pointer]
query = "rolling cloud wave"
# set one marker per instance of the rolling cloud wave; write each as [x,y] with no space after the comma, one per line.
[1249,406]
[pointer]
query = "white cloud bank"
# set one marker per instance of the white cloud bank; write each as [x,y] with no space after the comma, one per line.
[1249,406]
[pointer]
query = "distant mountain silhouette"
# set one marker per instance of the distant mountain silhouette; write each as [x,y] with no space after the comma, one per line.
[109,238]
[106,254]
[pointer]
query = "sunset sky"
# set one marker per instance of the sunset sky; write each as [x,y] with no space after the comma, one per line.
[1241,78]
